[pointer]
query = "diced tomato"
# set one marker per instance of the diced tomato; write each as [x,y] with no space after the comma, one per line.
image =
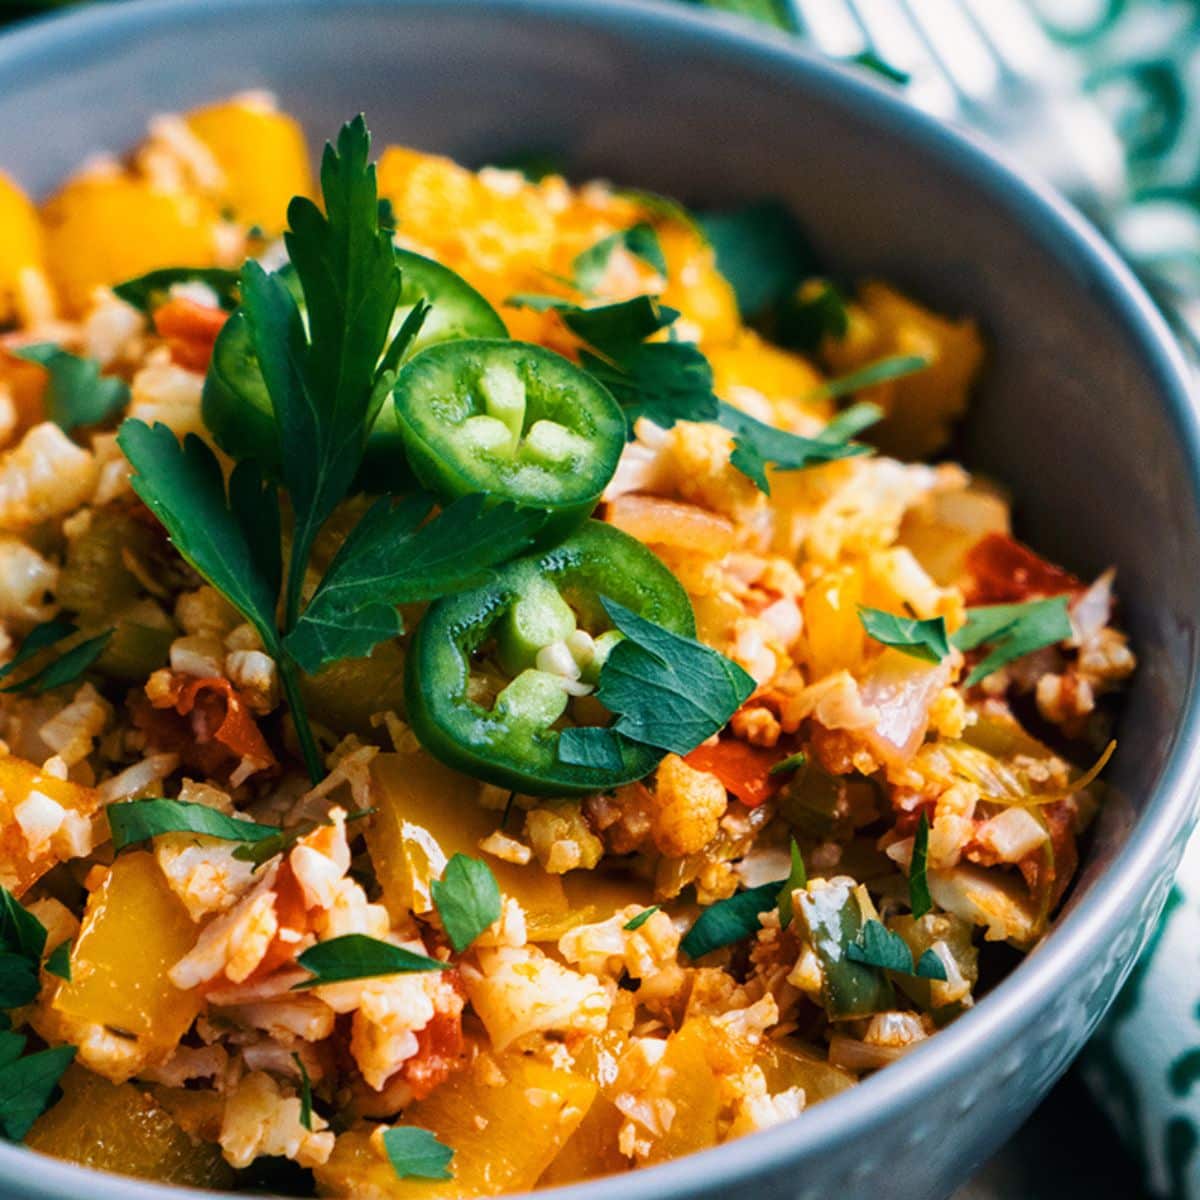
[190,331]
[26,386]
[218,721]
[440,1042]
[745,770]
[1005,571]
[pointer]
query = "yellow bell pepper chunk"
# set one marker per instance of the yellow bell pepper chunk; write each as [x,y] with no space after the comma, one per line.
[503,1137]
[20,246]
[134,931]
[19,868]
[262,154]
[426,814]
[833,634]
[103,228]
[694,1092]
[119,1128]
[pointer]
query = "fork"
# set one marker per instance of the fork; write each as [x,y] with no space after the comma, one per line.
[988,64]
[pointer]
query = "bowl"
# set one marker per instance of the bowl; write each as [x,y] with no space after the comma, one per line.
[1085,413]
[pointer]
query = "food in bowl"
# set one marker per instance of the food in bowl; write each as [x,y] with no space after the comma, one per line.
[479,712]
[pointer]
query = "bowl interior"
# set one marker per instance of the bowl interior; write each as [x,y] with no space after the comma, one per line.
[1072,417]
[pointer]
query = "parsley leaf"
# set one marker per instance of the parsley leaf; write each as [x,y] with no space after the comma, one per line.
[641,241]
[390,558]
[1012,631]
[77,394]
[147,292]
[793,762]
[668,691]
[635,923]
[305,1093]
[872,374]
[817,311]
[467,898]
[48,633]
[797,878]
[20,931]
[416,1154]
[729,921]
[761,250]
[133,821]
[279,840]
[232,541]
[878,946]
[357,956]
[18,980]
[925,640]
[26,1085]
[918,882]
[756,445]
[590,746]
[59,961]
[68,667]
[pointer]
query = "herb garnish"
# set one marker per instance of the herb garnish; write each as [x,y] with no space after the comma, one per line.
[68,667]
[925,640]
[667,691]
[1012,631]
[133,821]
[878,946]
[147,292]
[816,312]
[467,898]
[729,921]
[357,956]
[48,633]
[918,881]
[871,375]
[793,762]
[59,960]
[305,1093]
[640,240]
[635,923]
[326,382]
[77,394]
[278,841]
[797,878]
[416,1153]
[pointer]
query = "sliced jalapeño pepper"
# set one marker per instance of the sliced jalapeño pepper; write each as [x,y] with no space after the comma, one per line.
[480,686]
[512,420]
[237,407]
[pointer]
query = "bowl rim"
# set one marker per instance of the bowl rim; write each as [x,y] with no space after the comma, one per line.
[1168,811]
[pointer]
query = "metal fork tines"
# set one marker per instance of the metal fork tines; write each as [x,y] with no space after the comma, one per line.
[989,64]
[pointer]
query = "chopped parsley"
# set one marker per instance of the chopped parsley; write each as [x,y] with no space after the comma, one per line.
[147,292]
[67,668]
[357,956]
[1012,631]
[590,266]
[59,961]
[873,374]
[467,898]
[793,762]
[77,394]
[40,637]
[878,946]
[918,882]
[729,921]
[305,1093]
[416,1154]
[635,923]
[925,640]
[797,878]
[133,821]
[815,313]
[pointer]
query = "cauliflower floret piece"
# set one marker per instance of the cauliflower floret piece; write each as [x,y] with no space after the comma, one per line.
[519,990]
[608,948]
[754,1106]
[203,872]
[261,1121]
[25,579]
[686,808]
[72,731]
[163,391]
[562,839]
[206,613]
[45,475]
[254,674]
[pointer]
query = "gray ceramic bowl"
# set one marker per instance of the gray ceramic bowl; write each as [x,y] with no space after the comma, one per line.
[1085,413]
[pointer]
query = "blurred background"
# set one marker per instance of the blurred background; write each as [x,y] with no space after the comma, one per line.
[1101,97]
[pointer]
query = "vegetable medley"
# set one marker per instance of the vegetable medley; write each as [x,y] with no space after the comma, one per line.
[492,696]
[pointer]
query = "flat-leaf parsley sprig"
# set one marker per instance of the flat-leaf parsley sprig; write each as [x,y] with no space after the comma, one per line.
[327,380]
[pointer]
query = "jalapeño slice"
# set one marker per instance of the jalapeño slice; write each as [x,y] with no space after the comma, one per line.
[237,407]
[515,421]
[477,689]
